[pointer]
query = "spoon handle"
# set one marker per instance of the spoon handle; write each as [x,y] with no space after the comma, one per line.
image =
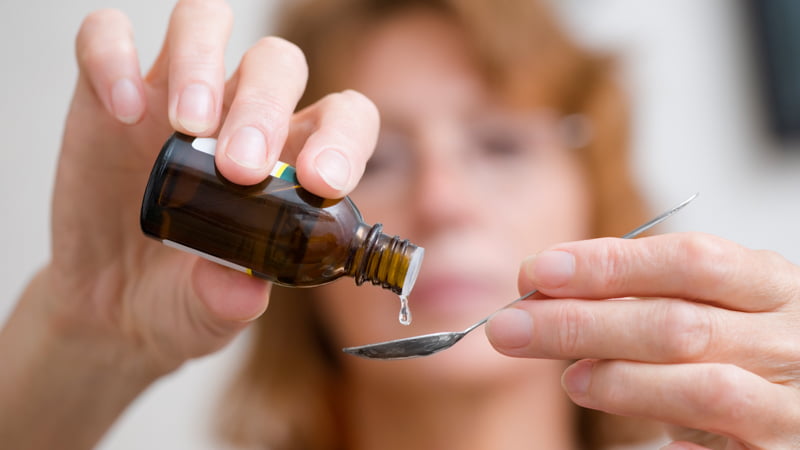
[486,319]
[629,235]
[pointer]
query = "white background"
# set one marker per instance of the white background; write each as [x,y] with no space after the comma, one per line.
[698,127]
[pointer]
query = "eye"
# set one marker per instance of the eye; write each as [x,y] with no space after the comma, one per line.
[499,143]
[391,154]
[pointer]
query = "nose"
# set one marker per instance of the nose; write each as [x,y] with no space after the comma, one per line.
[442,196]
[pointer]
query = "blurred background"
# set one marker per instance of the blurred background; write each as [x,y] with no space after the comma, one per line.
[715,90]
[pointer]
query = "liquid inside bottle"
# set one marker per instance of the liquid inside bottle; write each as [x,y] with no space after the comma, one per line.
[275,230]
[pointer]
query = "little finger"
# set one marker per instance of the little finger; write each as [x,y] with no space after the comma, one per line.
[108,59]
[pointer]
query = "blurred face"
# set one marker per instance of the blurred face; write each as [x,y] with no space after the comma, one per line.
[478,184]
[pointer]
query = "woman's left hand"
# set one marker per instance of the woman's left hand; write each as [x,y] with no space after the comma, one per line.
[694,331]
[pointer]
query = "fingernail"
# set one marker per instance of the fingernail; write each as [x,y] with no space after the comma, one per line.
[678,446]
[254,315]
[550,269]
[334,168]
[248,148]
[195,108]
[576,379]
[127,104]
[510,329]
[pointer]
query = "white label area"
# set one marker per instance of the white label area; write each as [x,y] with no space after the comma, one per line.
[205,145]
[209,146]
[211,258]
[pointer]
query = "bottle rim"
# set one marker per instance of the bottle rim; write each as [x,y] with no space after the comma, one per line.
[414,264]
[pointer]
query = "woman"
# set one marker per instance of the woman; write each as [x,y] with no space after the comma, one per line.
[481,175]
[470,164]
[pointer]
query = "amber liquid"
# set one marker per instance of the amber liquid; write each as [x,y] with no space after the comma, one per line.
[276,228]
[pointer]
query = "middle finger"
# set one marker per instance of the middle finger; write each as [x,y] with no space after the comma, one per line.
[193,63]
[646,330]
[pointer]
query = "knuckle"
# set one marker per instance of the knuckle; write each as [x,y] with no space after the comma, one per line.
[200,55]
[205,19]
[282,52]
[337,101]
[722,393]
[705,256]
[364,111]
[349,103]
[361,101]
[688,332]
[219,9]
[610,261]
[93,40]
[101,16]
[775,280]
[614,395]
[571,321]
[260,103]
[337,114]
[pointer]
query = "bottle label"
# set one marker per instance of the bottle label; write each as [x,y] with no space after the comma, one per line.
[211,258]
[281,170]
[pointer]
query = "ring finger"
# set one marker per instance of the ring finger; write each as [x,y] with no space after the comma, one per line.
[268,84]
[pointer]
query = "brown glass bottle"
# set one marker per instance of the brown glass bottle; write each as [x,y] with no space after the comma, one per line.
[274,230]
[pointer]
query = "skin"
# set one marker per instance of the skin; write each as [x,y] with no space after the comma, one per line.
[112,309]
[705,338]
[479,185]
[705,333]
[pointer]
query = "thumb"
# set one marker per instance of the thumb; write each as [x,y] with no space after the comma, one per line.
[226,300]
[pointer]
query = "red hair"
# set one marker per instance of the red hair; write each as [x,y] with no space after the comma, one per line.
[529,62]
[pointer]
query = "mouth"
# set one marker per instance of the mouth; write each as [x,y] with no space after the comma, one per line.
[451,294]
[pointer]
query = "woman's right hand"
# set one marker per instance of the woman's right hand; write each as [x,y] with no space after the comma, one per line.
[113,310]
[106,283]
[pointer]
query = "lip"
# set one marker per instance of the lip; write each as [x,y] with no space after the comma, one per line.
[450,292]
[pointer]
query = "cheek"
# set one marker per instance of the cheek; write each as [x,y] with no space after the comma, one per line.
[547,208]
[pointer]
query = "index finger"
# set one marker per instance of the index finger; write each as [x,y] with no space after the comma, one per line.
[192,64]
[693,266]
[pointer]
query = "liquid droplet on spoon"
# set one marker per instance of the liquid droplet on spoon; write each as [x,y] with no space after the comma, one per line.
[405,313]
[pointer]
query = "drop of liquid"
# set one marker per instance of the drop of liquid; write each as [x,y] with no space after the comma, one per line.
[405,313]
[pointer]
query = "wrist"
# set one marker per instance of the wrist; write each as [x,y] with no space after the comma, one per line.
[60,388]
[72,325]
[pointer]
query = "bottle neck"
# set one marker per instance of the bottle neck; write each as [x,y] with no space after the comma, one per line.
[389,262]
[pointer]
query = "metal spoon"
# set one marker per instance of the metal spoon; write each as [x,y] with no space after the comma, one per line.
[428,344]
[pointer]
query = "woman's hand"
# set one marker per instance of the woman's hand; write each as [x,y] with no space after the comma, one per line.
[105,276]
[694,331]
[114,310]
